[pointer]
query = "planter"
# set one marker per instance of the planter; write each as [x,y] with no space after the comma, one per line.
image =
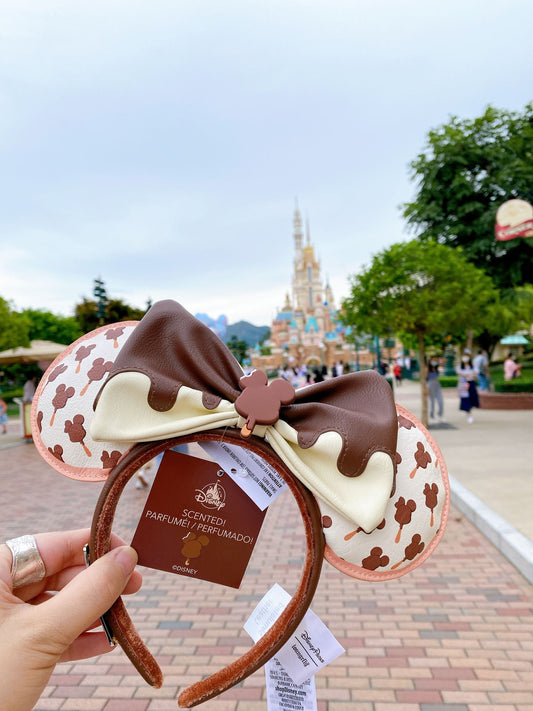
[505,401]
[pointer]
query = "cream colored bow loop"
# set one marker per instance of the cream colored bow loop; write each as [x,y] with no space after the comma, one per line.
[174,376]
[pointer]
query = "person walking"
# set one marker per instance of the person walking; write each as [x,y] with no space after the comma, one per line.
[468,396]
[397,371]
[435,392]
[4,419]
[481,366]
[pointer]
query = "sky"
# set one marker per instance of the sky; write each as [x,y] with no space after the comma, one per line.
[162,145]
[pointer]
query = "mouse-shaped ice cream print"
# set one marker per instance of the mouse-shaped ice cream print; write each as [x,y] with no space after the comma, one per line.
[350,535]
[113,334]
[57,371]
[82,353]
[422,459]
[375,560]
[60,399]
[192,546]
[56,451]
[97,372]
[110,459]
[431,494]
[77,432]
[405,422]
[412,550]
[404,511]
[260,402]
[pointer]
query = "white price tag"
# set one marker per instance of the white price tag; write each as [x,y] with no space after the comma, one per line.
[258,479]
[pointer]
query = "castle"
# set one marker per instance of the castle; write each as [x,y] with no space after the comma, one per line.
[307,330]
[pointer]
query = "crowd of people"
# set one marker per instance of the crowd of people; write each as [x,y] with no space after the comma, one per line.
[304,375]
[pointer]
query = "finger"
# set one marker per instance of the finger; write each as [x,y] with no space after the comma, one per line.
[59,550]
[48,596]
[92,592]
[30,593]
[89,644]
[63,549]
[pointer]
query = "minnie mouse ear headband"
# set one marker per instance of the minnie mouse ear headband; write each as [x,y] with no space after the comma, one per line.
[367,476]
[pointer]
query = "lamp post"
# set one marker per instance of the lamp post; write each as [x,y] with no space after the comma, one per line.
[449,356]
[378,354]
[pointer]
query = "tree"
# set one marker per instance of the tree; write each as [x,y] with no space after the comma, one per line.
[511,311]
[238,348]
[420,288]
[87,315]
[13,327]
[467,169]
[46,326]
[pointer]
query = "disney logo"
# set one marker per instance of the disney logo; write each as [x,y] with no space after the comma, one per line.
[315,650]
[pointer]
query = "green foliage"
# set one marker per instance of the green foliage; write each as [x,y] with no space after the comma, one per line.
[13,327]
[519,385]
[448,381]
[86,313]
[422,288]
[238,348]
[9,393]
[46,326]
[522,384]
[511,311]
[467,169]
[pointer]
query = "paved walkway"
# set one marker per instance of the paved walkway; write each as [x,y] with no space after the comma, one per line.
[455,635]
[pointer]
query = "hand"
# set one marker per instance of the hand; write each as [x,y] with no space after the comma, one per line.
[38,628]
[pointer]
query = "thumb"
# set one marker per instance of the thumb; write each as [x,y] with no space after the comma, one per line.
[89,595]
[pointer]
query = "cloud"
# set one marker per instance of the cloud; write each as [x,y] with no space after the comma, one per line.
[161,146]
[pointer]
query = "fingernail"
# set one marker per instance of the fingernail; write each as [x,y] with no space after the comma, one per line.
[127,558]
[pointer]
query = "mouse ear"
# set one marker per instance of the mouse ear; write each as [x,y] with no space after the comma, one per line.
[62,407]
[395,547]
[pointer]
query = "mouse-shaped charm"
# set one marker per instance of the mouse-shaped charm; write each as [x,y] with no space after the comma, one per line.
[260,402]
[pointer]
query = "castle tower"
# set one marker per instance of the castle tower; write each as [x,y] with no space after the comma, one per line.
[306,283]
[306,330]
[298,234]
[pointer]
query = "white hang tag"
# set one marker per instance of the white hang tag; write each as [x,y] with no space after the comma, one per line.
[310,647]
[258,479]
[283,694]
[267,611]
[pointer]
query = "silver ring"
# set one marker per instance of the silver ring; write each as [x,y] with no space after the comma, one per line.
[28,566]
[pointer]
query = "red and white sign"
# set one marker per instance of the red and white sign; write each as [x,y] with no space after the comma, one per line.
[514,218]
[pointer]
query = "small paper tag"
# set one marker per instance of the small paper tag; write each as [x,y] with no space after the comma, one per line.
[311,645]
[310,648]
[267,611]
[258,479]
[197,522]
[283,694]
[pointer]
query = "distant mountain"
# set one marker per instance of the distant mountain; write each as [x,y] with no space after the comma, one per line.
[245,331]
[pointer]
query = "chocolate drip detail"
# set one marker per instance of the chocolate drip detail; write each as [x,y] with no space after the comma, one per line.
[359,406]
[173,348]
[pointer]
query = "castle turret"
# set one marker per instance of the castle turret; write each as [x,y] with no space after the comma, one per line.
[298,234]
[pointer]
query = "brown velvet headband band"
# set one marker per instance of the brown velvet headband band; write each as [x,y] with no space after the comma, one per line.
[117,618]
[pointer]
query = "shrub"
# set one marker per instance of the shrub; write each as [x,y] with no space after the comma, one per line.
[514,386]
[448,381]
[9,393]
